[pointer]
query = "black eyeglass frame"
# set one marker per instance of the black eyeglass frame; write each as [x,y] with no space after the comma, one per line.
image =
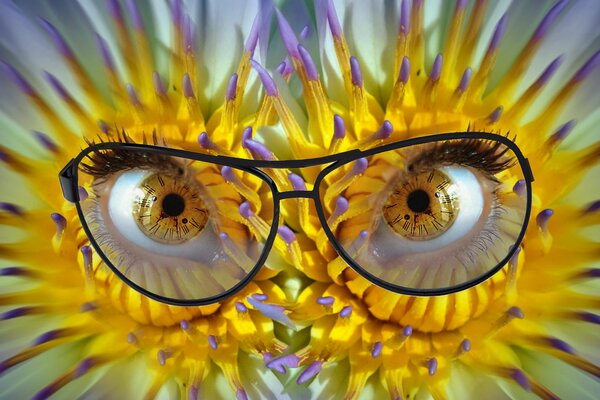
[68,178]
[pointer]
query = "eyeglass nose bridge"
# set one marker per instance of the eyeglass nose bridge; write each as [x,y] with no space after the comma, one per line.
[295,194]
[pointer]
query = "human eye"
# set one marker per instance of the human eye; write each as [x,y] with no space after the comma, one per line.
[171,226]
[433,217]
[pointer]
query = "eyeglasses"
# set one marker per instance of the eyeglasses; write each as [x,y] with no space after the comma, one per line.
[425,216]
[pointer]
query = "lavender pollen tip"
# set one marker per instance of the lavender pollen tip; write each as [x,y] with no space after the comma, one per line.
[212,342]
[593,207]
[346,311]
[520,377]
[465,80]
[516,312]
[357,79]
[309,64]
[436,70]
[11,208]
[240,307]
[498,33]
[326,301]
[520,187]
[267,81]
[297,182]
[465,345]
[377,349]
[334,22]
[286,234]
[360,166]
[405,14]
[404,70]
[188,90]
[407,331]
[184,324]
[543,217]
[310,372]
[59,221]
[563,131]
[232,87]
[432,366]
[287,35]
[339,127]
[246,210]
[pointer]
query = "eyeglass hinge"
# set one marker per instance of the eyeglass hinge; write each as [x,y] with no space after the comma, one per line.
[68,183]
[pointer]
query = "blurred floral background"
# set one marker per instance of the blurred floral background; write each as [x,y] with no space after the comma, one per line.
[296,79]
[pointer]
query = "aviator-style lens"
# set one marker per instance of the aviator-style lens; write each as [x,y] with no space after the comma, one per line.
[432,216]
[172,226]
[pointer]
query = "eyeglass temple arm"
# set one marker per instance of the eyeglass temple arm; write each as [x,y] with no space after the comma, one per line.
[68,182]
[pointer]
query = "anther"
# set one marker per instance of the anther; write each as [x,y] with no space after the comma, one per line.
[231,87]
[241,307]
[562,133]
[159,86]
[436,69]
[355,71]
[346,312]
[259,151]
[542,219]
[495,115]
[60,222]
[245,209]
[286,234]
[287,35]
[212,342]
[309,64]
[465,346]
[404,70]
[45,141]
[83,194]
[188,89]
[326,301]
[267,81]
[134,99]
[297,182]
[520,187]
[162,356]
[310,372]
[432,365]
[377,349]
[246,135]
[465,80]
[12,209]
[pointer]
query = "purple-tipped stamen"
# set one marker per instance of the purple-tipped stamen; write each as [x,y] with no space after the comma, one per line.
[461,4]
[177,12]
[259,150]
[309,64]
[16,313]
[357,79]
[465,345]
[59,221]
[341,206]
[520,187]
[205,142]
[246,135]
[88,306]
[189,35]
[377,349]
[279,364]
[11,208]
[49,336]
[587,68]
[286,234]
[339,127]
[272,311]
[542,219]
[260,296]
[287,35]
[84,366]
[159,86]
[115,10]
[229,174]
[193,392]
[561,345]
[131,338]
[563,132]
[86,251]
[246,210]
[13,271]
[240,394]
[297,182]
[286,68]
[252,39]
[83,194]
[305,32]
[103,126]
[549,71]
[18,79]
[212,342]
[267,81]
[107,58]
[310,372]
[465,80]
[436,70]
[515,257]
[589,317]
[432,365]
[404,73]
[498,33]
[334,22]
[359,166]
[405,14]
[136,16]
[188,89]
[407,330]
[184,324]
[241,307]
[520,377]
[548,20]
[346,312]
[326,301]
[385,131]
[133,96]
[515,312]
[57,86]
[593,207]
[59,41]
[162,356]
[496,114]
[232,87]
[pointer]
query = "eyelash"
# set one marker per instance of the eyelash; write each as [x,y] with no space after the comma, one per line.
[483,156]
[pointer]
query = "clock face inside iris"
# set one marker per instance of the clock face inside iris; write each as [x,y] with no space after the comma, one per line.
[422,207]
[168,210]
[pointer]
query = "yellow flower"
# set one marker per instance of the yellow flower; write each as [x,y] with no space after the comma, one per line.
[65,316]
[404,85]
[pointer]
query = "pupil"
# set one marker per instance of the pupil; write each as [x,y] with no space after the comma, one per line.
[173,204]
[418,201]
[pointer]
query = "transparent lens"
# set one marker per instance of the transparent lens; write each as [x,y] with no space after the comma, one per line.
[431,216]
[173,226]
